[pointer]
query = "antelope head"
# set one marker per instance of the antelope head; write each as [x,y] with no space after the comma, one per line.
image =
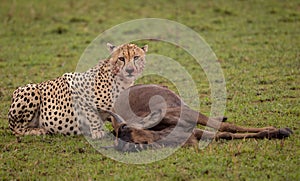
[133,135]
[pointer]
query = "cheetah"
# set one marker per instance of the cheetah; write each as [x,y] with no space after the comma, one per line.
[70,104]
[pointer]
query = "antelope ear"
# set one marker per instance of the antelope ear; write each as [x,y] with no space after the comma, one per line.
[153,119]
[145,48]
[104,115]
[111,47]
[116,118]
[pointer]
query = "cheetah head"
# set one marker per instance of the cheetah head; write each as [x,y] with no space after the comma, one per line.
[128,60]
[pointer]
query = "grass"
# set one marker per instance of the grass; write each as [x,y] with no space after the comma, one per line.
[257,44]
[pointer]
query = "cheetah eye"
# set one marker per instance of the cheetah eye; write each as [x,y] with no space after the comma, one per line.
[122,59]
[136,57]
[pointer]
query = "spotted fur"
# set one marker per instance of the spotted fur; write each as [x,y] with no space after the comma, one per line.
[70,104]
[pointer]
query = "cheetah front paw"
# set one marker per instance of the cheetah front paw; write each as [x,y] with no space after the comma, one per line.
[98,134]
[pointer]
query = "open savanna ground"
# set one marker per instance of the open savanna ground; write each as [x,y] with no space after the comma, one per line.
[257,44]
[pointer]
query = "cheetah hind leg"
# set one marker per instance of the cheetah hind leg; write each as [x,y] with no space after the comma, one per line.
[31,128]
[24,115]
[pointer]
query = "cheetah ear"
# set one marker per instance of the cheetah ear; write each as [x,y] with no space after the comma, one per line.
[111,47]
[145,48]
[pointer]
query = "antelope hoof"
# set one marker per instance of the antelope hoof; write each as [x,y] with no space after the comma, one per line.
[221,119]
[284,132]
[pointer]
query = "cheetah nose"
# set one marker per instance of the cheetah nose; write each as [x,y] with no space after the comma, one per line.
[130,70]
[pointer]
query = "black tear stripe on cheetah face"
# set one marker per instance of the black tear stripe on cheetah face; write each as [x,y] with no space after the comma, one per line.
[70,104]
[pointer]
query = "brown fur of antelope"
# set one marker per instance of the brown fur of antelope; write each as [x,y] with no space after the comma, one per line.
[154,116]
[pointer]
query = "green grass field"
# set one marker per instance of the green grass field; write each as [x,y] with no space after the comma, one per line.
[257,44]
